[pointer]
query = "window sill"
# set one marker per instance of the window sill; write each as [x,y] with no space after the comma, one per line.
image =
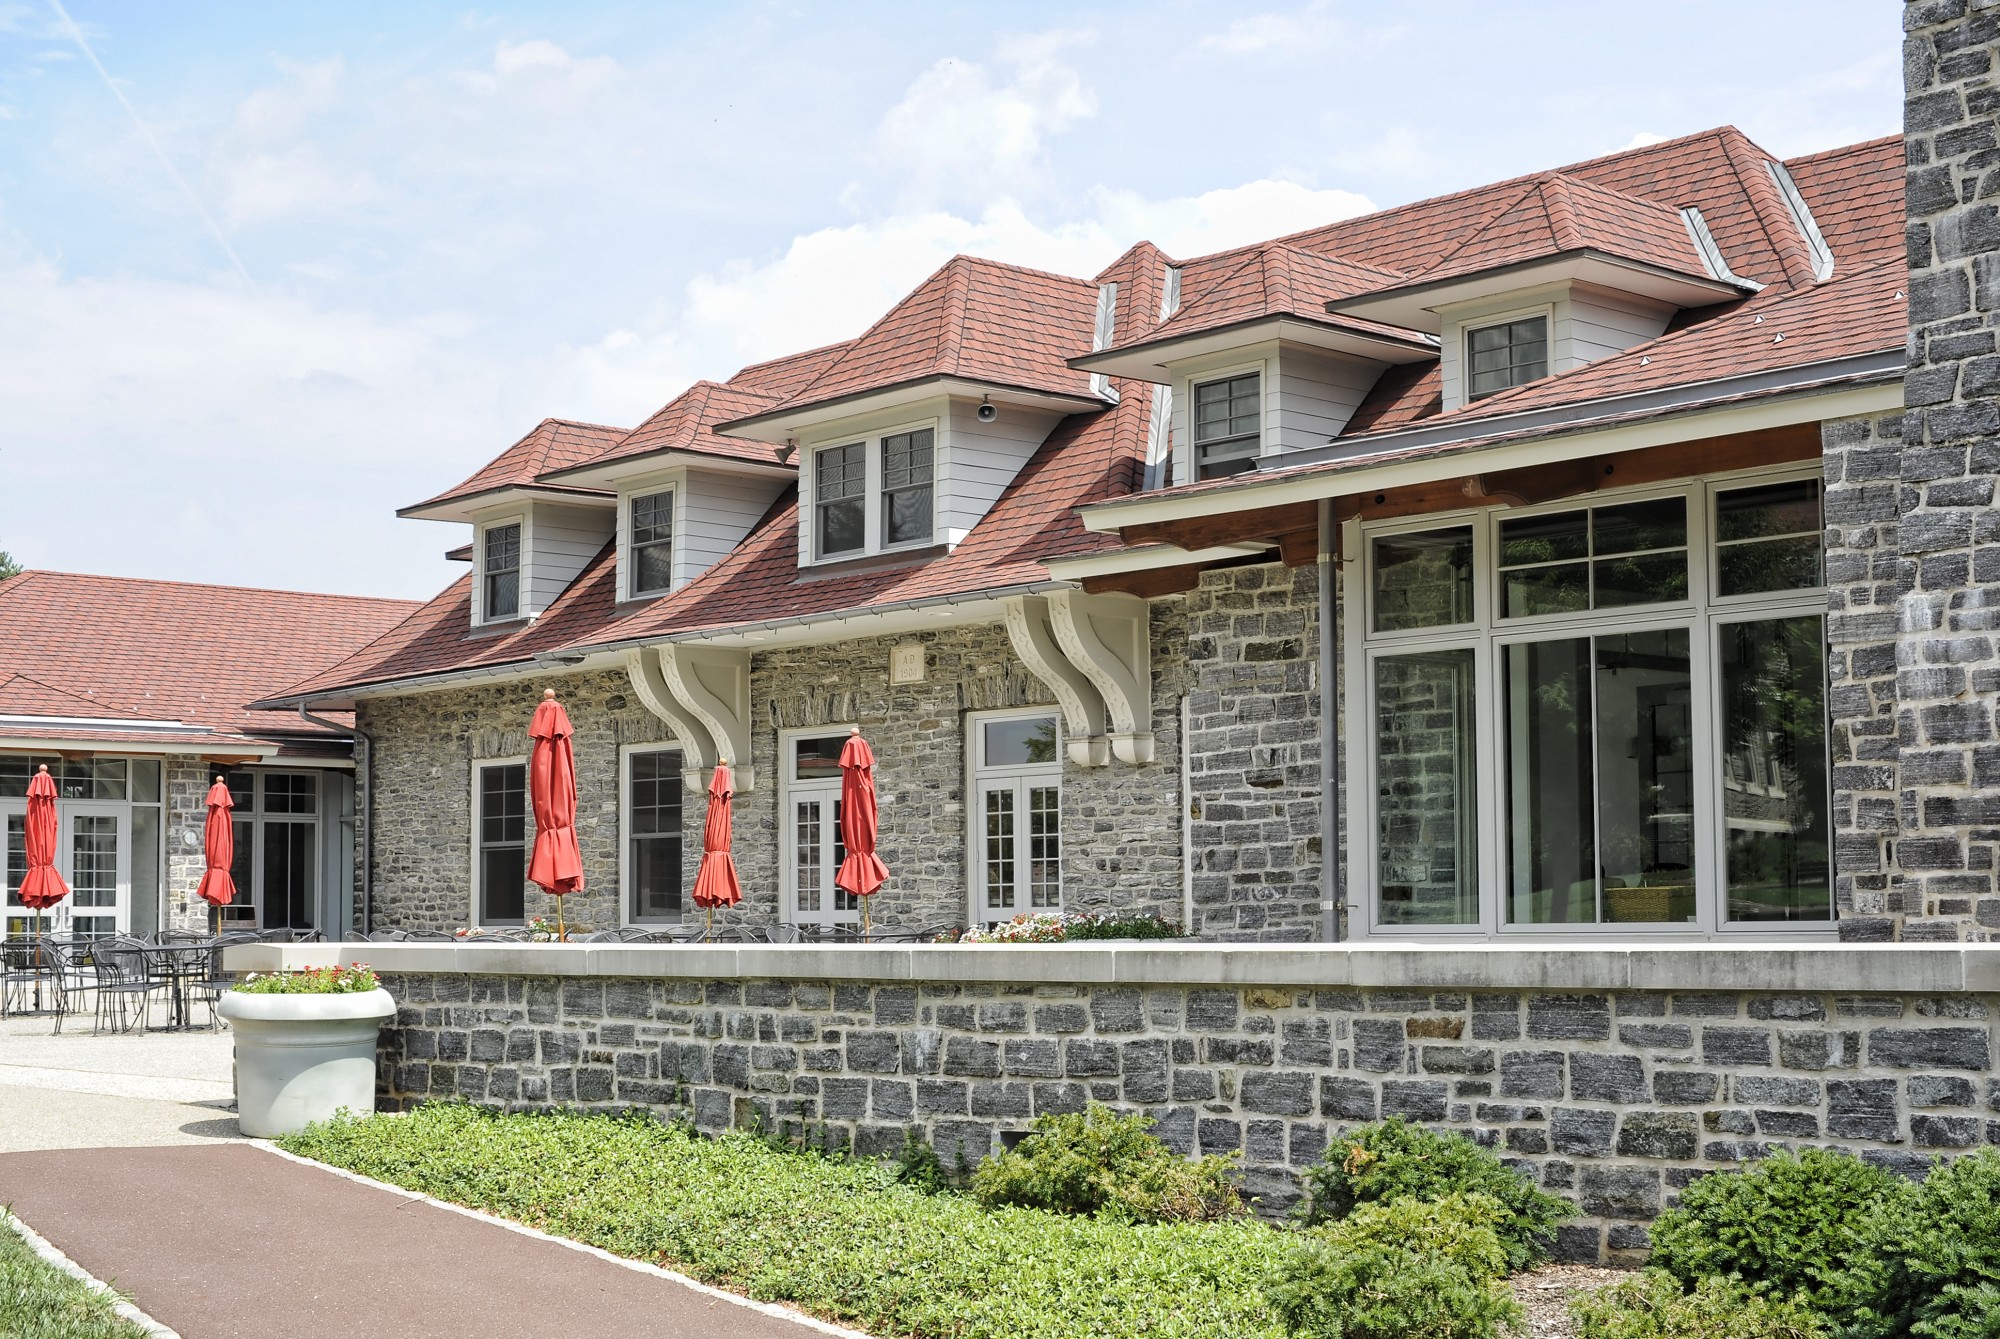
[870,562]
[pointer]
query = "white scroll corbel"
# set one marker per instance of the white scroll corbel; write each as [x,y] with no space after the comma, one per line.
[698,753]
[1084,719]
[1108,638]
[712,684]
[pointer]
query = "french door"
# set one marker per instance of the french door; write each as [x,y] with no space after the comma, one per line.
[94,856]
[813,852]
[1018,864]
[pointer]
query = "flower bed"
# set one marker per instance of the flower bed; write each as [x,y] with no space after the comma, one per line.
[357,978]
[1056,927]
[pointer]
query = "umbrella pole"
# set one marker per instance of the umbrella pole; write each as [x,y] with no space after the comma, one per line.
[709,936]
[865,927]
[562,932]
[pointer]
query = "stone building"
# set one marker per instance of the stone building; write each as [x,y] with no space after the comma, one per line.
[132,694]
[1554,561]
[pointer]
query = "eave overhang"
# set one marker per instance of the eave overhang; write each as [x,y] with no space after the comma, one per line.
[470,506]
[1841,388]
[1417,306]
[1154,360]
[611,474]
[789,421]
[1145,558]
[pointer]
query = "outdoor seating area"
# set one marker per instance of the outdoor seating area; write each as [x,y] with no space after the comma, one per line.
[167,982]
[686,932]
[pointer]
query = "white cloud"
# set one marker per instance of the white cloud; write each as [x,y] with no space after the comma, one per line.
[961,132]
[281,111]
[544,73]
[1311,27]
[830,284]
[1642,139]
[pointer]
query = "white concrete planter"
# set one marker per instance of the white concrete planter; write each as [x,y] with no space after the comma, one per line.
[301,1058]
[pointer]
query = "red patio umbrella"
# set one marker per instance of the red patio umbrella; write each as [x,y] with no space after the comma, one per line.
[715,883]
[863,871]
[557,865]
[41,886]
[218,888]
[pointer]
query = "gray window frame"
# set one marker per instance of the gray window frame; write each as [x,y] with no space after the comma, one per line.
[663,540]
[489,574]
[854,471]
[1231,444]
[1518,372]
[914,478]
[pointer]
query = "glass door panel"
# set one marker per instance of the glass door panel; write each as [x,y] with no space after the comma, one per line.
[97,847]
[1044,842]
[1774,770]
[290,861]
[1645,776]
[999,856]
[19,920]
[1425,838]
[813,855]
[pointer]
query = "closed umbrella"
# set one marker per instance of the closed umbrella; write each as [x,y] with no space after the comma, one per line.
[557,865]
[218,887]
[863,872]
[715,883]
[41,886]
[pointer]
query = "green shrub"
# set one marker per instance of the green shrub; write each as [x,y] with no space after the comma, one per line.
[1953,1256]
[1396,1160]
[1654,1306]
[1822,1226]
[1400,1269]
[838,1238]
[919,1167]
[1096,1161]
[353,979]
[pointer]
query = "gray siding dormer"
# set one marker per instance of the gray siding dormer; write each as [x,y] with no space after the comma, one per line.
[557,542]
[712,514]
[979,460]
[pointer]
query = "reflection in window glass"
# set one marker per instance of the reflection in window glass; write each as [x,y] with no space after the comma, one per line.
[818,757]
[1551,830]
[840,484]
[1774,775]
[1512,353]
[1768,538]
[503,842]
[1019,743]
[652,543]
[1645,776]
[906,487]
[1424,758]
[1601,558]
[1423,580]
[655,813]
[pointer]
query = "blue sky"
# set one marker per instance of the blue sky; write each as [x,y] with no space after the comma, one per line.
[337,256]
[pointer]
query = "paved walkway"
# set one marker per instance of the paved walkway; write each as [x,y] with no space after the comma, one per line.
[124,1153]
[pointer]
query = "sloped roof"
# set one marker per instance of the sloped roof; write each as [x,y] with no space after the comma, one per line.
[687,424]
[979,320]
[120,648]
[553,444]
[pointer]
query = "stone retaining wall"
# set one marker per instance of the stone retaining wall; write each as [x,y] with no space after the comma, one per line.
[1588,1069]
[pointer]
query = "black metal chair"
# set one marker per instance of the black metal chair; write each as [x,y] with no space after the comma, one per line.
[122,976]
[387,936]
[202,981]
[33,978]
[431,937]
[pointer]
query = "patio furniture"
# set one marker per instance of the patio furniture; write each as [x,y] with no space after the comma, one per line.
[624,934]
[187,971]
[783,933]
[122,978]
[387,936]
[32,978]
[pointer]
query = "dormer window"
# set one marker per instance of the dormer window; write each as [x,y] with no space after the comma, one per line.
[907,460]
[653,543]
[875,495]
[840,493]
[500,568]
[1511,353]
[1227,425]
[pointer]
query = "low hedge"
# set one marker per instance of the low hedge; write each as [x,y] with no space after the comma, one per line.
[842,1240]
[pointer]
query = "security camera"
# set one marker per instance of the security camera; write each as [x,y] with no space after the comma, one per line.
[987,411]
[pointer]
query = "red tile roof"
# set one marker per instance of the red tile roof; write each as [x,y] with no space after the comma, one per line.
[687,424]
[979,320]
[552,444]
[128,649]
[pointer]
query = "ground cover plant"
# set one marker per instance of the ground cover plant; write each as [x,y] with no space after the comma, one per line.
[39,1301]
[841,1239]
[1056,927]
[1819,1242]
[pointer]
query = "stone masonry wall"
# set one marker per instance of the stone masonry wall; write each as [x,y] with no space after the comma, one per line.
[1614,1099]
[1121,824]
[1913,538]
[424,749]
[184,787]
[1254,737]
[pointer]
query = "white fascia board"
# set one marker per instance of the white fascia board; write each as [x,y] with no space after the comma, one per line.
[1417,306]
[621,474]
[1145,558]
[224,746]
[820,629]
[1159,361]
[512,497]
[1558,445]
[781,425]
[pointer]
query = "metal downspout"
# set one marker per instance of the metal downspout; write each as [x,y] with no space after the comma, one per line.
[364,805]
[1331,889]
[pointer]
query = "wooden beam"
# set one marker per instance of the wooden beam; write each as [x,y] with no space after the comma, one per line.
[1243,527]
[1150,584]
[1299,547]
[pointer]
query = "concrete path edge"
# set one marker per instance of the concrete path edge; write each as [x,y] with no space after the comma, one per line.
[49,1252]
[772,1309]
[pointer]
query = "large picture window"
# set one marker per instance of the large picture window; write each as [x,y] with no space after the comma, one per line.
[500,838]
[1609,715]
[277,849]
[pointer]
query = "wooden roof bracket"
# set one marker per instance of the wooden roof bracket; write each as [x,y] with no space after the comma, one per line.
[1034,641]
[712,684]
[1108,637]
[698,753]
